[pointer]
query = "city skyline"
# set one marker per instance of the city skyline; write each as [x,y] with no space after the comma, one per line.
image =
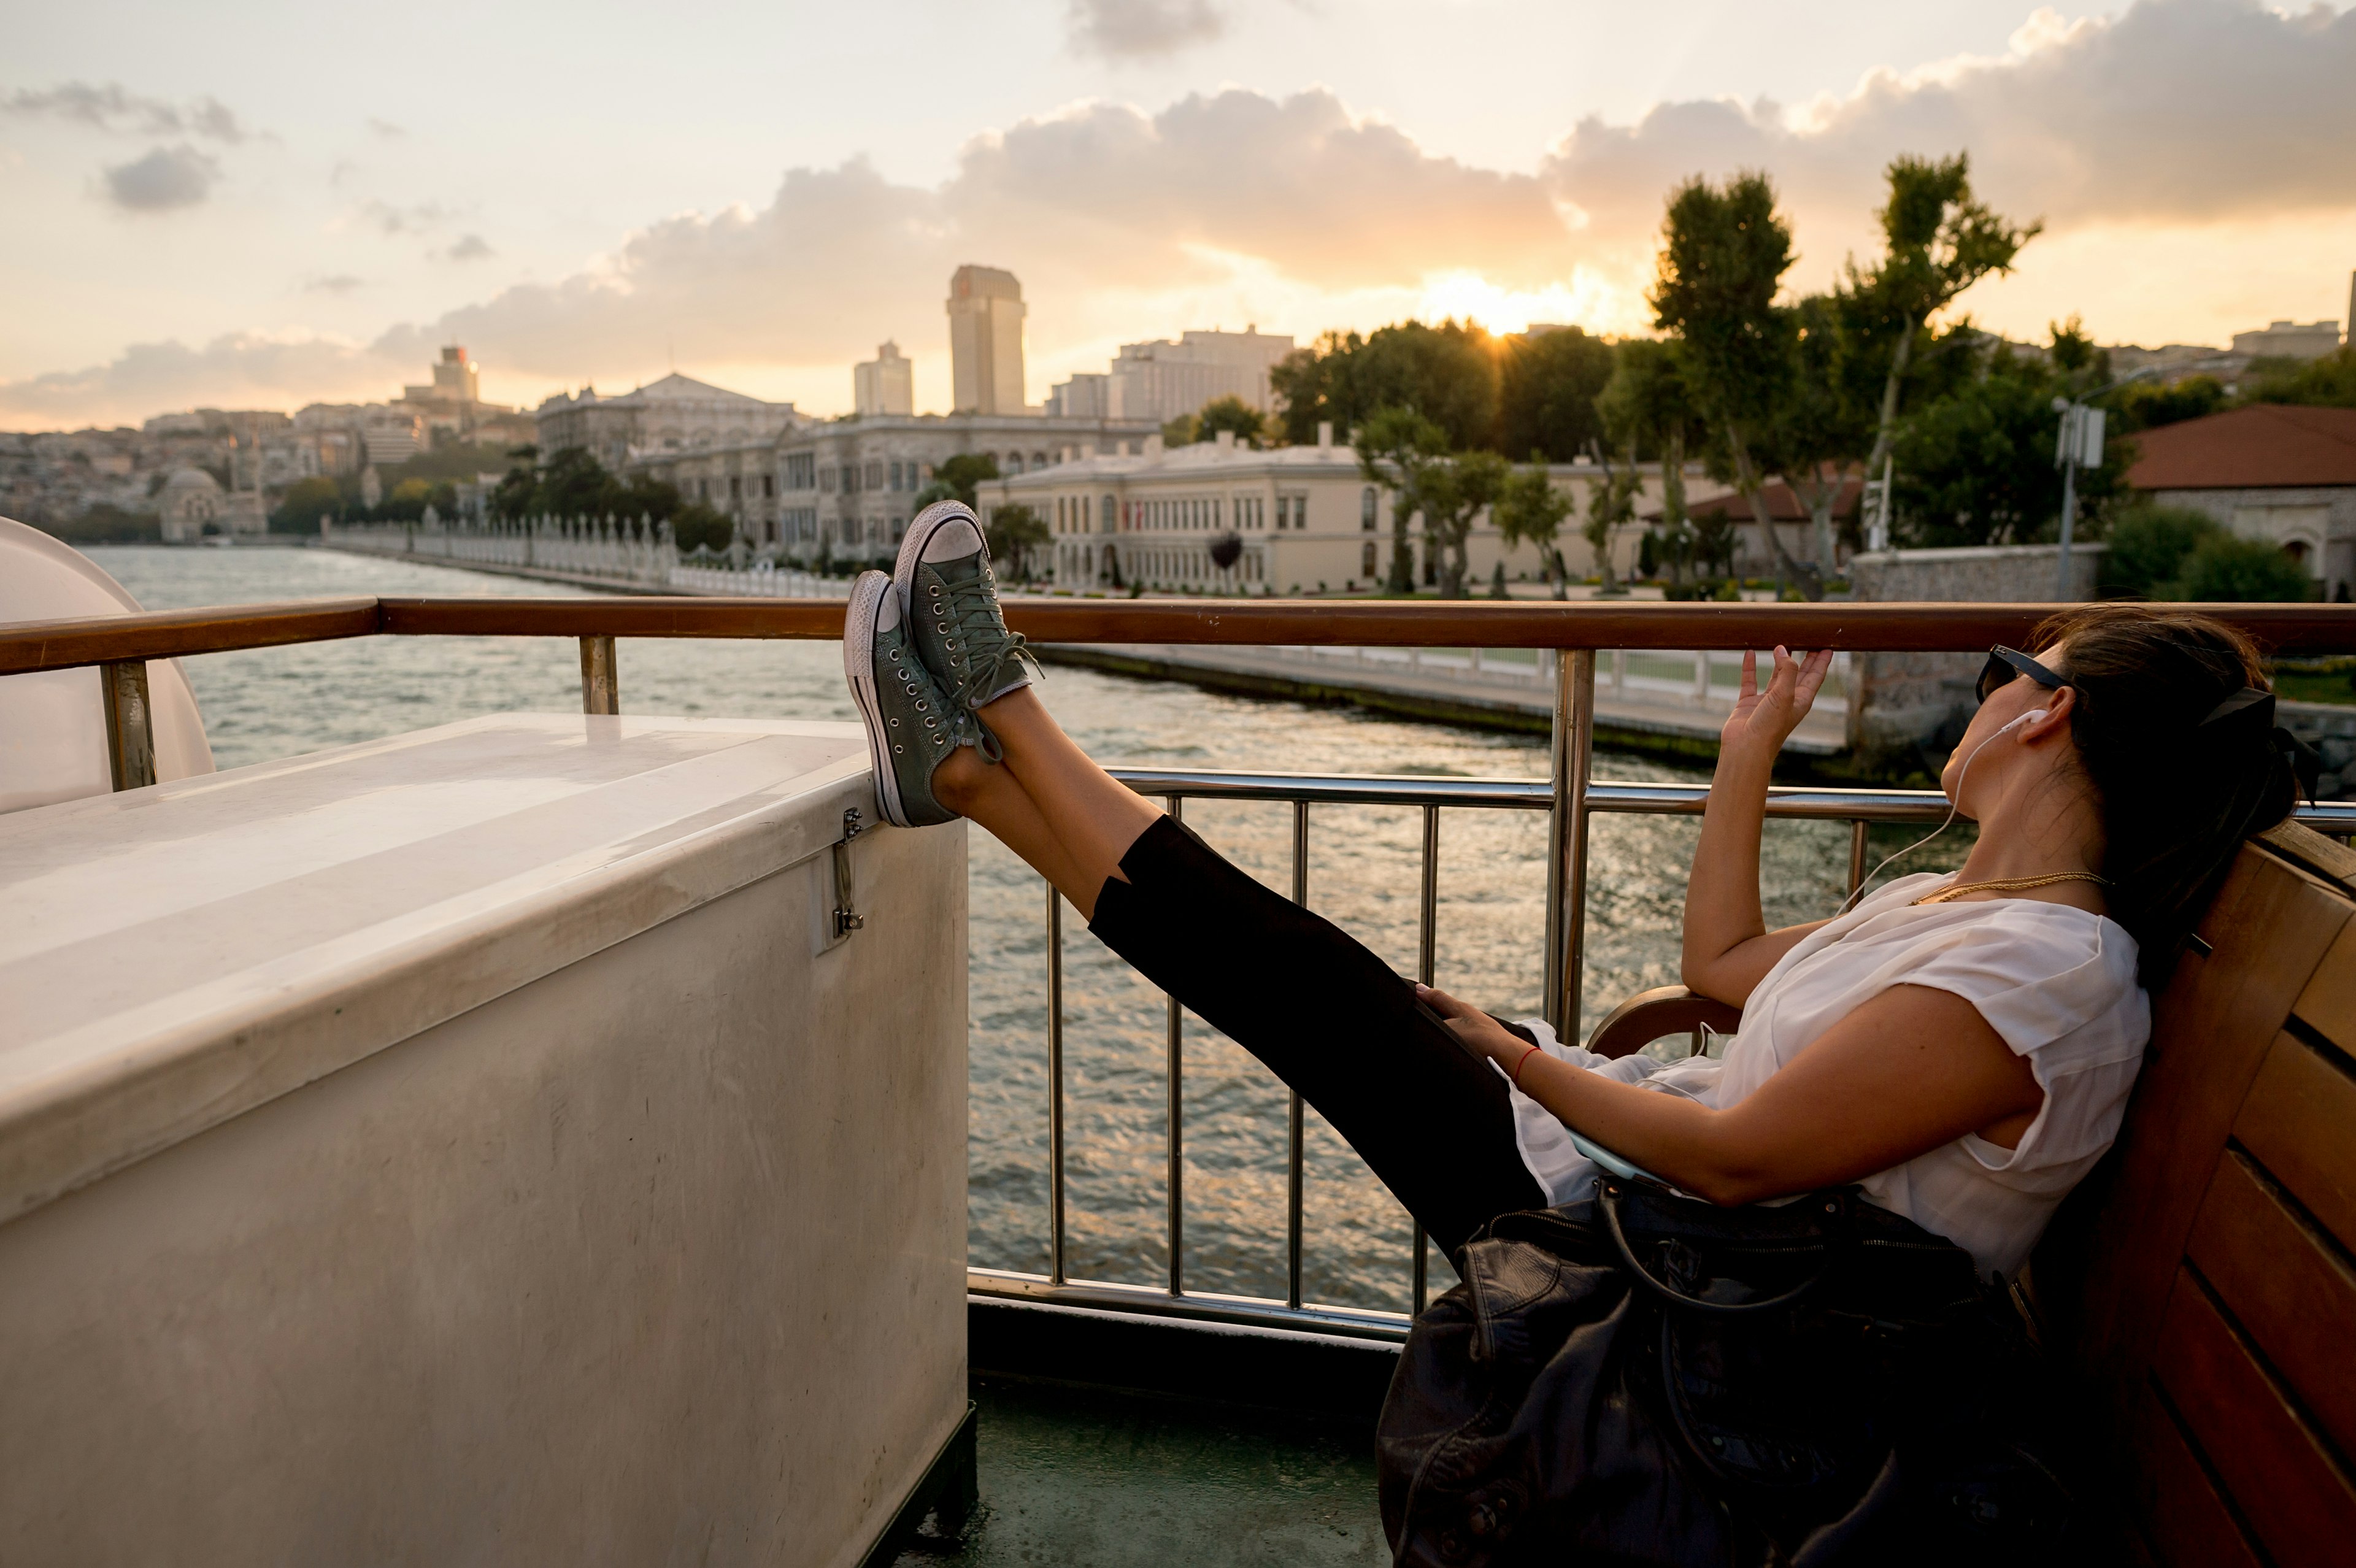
[206,228]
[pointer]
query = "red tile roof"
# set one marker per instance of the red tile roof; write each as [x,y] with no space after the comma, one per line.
[1783,504]
[2264,445]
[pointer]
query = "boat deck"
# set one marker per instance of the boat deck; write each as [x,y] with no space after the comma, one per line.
[1100,1479]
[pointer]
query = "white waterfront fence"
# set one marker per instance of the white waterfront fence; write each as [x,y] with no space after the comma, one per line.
[1657,676]
[638,554]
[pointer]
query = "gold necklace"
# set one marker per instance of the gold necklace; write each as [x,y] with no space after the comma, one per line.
[1945,895]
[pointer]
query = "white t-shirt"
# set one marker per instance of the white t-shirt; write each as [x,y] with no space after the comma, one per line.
[2057,982]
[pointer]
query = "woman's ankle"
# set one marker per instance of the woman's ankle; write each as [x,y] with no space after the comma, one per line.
[961,779]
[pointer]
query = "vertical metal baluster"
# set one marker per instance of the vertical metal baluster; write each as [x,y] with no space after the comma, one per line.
[1176,1068]
[1856,855]
[1293,1122]
[601,683]
[130,723]
[1056,1084]
[1426,948]
[1574,753]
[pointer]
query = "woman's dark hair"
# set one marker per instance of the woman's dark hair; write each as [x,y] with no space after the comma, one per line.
[2179,789]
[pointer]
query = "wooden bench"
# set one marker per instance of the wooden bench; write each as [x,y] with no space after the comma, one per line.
[2200,1288]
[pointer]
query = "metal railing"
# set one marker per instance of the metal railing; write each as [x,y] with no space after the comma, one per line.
[1174,787]
[120,646]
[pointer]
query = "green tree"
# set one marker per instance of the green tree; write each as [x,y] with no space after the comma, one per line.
[2328,382]
[105,523]
[1938,240]
[1646,409]
[1452,491]
[1723,257]
[1235,416]
[574,483]
[1014,532]
[1182,430]
[1447,373]
[2225,568]
[2148,405]
[1609,509]
[1823,424]
[958,479]
[305,502]
[1530,510]
[2148,547]
[1975,466]
[1396,448]
[698,526]
[519,489]
[1546,387]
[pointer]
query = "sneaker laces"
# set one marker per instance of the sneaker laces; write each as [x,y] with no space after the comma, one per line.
[973,611]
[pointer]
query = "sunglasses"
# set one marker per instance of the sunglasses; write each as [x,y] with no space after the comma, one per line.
[2004,665]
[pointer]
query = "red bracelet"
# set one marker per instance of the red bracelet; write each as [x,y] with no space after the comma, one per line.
[1515,1077]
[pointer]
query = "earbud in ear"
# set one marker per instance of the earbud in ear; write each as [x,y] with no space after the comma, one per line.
[2030,717]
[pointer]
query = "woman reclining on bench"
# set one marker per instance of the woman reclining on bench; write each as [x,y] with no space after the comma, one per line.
[1962,1046]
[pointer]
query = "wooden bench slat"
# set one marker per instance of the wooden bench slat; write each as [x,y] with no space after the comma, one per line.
[2278,1474]
[2328,1005]
[2268,928]
[2301,1123]
[2177,1510]
[2326,857]
[2293,1299]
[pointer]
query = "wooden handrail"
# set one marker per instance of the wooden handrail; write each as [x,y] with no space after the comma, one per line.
[1897,628]
[26,646]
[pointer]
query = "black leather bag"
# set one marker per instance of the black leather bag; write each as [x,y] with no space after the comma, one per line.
[1645,1378]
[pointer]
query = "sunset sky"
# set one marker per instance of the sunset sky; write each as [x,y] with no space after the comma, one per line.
[262,203]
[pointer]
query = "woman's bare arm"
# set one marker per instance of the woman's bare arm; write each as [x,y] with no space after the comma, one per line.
[1906,1072]
[1728,947]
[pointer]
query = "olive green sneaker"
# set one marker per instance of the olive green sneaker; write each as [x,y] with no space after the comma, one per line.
[912,726]
[951,599]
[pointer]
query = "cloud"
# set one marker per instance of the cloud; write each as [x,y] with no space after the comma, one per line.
[1301,214]
[337,283]
[1298,183]
[470,247]
[418,219]
[109,107]
[2175,111]
[166,179]
[1123,29]
[385,129]
[245,369]
[1101,200]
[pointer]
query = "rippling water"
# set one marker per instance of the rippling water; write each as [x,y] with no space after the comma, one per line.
[1363,874]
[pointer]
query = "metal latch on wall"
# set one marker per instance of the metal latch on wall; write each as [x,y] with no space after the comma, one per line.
[847,918]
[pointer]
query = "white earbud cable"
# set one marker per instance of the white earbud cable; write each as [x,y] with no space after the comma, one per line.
[1955,805]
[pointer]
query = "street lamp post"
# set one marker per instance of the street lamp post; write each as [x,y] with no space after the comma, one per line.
[2078,445]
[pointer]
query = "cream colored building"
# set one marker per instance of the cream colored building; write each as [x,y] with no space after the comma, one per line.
[986,311]
[190,499]
[1160,380]
[677,414]
[885,384]
[1303,518]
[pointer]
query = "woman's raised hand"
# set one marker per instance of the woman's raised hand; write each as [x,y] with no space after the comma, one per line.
[1767,717]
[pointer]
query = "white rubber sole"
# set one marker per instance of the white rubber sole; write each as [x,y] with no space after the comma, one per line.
[858,673]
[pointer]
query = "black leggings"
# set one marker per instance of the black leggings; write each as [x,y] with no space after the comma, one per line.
[1425,1112]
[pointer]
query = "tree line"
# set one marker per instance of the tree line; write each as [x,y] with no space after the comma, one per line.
[1878,374]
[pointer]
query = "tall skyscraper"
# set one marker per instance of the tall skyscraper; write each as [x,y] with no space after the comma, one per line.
[885,384]
[985,313]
